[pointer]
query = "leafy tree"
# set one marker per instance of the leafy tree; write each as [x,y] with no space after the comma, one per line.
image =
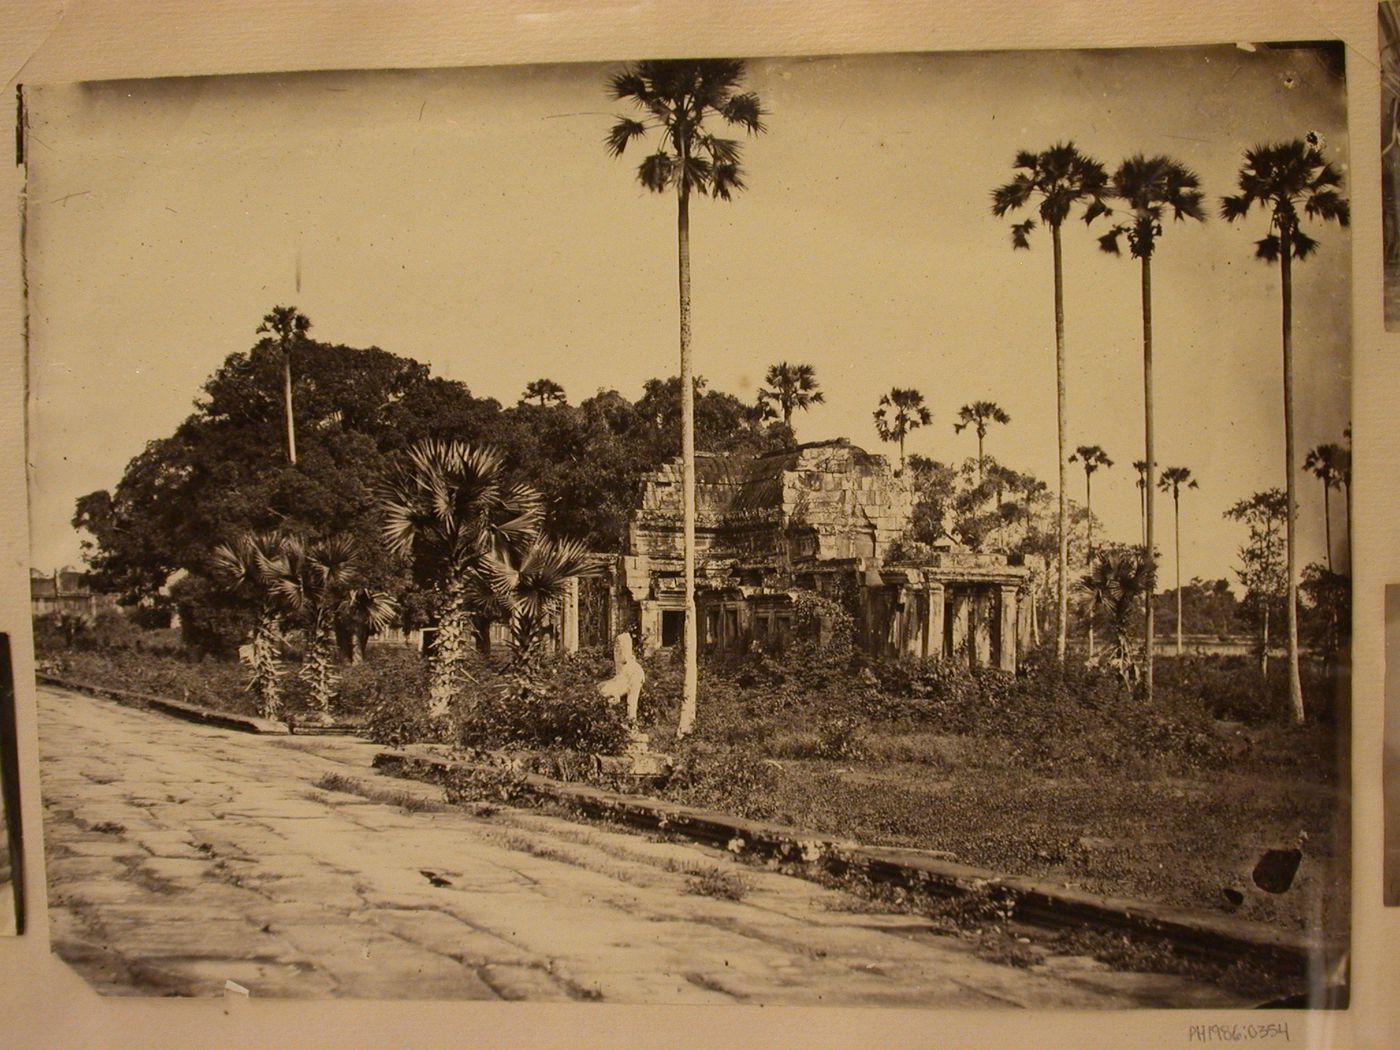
[449,509]
[1284,179]
[1092,457]
[900,411]
[547,391]
[223,472]
[1057,180]
[1150,189]
[1327,615]
[285,329]
[790,388]
[1326,463]
[676,99]
[1263,560]
[979,415]
[1173,480]
[1210,605]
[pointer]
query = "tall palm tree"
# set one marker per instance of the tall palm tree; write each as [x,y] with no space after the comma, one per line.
[979,415]
[1092,457]
[675,99]
[900,411]
[1057,179]
[1325,462]
[1151,188]
[790,387]
[285,329]
[448,507]
[1283,178]
[241,568]
[1173,480]
[546,390]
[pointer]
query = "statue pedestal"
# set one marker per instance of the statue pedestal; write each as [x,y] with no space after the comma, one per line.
[637,758]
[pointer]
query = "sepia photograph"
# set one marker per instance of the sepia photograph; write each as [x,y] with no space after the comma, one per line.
[859,530]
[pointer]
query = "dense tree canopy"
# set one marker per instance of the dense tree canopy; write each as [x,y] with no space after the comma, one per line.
[224,470]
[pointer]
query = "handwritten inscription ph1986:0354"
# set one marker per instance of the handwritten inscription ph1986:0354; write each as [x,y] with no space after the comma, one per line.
[1236,1033]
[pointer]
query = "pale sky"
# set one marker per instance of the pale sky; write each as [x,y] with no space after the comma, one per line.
[472,219]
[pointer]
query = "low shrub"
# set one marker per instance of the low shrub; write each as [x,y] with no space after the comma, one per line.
[545,704]
[483,784]
[733,780]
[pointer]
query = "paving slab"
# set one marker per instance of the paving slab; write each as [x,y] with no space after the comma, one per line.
[225,861]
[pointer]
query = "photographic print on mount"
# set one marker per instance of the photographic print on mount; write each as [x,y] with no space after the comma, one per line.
[878,463]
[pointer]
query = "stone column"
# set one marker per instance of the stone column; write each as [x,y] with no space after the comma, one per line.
[911,630]
[568,616]
[982,628]
[1006,658]
[962,602]
[650,623]
[933,622]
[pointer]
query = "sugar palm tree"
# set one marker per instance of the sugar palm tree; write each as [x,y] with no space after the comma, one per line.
[284,329]
[547,391]
[1325,462]
[900,411]
[1173,480]
[1289,180]
[1151,189]
[530,585]
[241,568]
[1056,180]
[1116,581]
[447,506]
[979,415]
[1092,457]
[789,387]
[315,582]
[676,99]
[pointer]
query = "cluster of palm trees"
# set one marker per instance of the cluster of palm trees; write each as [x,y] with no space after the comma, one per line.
[1289,181]
[684,107]
[313,586]
[475,540]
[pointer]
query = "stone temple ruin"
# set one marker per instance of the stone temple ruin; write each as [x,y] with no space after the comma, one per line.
[822,517]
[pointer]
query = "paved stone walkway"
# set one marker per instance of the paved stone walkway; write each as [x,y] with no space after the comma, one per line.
[180,856]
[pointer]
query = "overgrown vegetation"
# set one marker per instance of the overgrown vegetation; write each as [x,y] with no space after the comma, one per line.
[1056,772]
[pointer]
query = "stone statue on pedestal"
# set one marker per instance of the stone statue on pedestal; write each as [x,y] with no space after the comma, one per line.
[626,683]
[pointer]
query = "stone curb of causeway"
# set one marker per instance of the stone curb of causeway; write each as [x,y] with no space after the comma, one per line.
[178,708]
[1040,903]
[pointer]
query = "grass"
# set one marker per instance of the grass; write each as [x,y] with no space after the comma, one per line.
[717,883]
[405,800]
[1067,783]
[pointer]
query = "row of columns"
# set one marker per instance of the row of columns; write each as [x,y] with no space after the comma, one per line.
[971,628]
